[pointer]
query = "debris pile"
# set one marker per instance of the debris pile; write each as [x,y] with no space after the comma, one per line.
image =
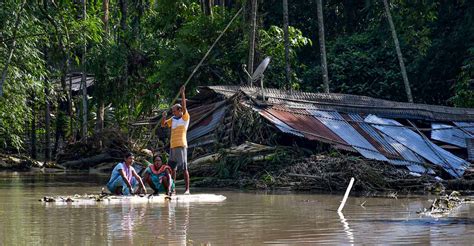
[18,162]
[443,205]
[101,149]
[332,173]
[258,166]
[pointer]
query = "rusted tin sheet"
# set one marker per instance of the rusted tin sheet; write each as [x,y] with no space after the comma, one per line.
[309,126]
[371,135]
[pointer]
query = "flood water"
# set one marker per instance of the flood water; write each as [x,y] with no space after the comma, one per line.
[245,218]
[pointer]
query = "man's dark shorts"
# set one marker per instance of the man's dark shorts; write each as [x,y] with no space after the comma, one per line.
[178,158]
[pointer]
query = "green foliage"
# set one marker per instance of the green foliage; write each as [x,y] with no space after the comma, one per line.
[452,36]
[464,87]
[24,75]
[416,18]
[191,40]
[272,44]
[361,64]
[267,178]
[142,60]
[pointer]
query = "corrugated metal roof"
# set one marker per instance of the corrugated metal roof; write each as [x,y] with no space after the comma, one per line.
[470,148]
[409,159]
[334,121]
[438,156]
[353,104]
[201,130]
[197,114]
[204,140]
[416,168]
[226,90]
[467,127]
[291,112]
[75,80]
[310,127]
[375,138]
[448,134]
[280,124]
[405,152]
[201,113]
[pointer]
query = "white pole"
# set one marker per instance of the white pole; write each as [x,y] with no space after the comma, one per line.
[346,195]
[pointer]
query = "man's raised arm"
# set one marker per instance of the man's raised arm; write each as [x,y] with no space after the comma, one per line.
[163,119]
[182,91]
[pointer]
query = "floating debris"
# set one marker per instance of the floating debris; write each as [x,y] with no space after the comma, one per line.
[48,199]
[443,205]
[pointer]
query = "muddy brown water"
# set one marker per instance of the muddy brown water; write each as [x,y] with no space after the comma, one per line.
[245,218]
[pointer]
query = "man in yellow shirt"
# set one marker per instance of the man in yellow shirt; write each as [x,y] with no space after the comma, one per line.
[178,123]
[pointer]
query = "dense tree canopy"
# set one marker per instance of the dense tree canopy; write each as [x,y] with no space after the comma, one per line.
[141,52]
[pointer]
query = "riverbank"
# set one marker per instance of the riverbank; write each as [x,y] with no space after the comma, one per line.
[283,171]
[22,163]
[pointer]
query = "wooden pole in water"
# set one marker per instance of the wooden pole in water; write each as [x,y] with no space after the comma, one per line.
[346,195]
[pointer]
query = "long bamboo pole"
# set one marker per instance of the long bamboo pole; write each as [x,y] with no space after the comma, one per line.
[322,45]
[399,52]
[195,69]
[252,39]
[287,43]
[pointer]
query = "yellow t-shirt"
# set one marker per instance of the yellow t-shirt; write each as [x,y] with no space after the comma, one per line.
[179,128]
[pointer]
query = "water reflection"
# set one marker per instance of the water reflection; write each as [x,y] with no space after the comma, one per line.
[346,228]
[168,222]
[178,225]
[243,219]
[122,220]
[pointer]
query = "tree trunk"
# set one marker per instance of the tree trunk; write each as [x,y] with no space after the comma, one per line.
[12,48]
[57,132]
[105,17]
[33,126]
[123,11]
[123,42]
[322,45]
[83,80]
[47,111]
[100,116]
[287,43]
[207,7]
[100,107]
[71,112]
[60,120]
[253,27]
[69,106]
[123,28]
[399,52]
[89,161]
[47,117]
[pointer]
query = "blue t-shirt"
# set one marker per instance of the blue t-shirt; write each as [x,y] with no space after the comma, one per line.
[116,173]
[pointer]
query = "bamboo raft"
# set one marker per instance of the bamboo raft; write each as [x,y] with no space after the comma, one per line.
[109,199]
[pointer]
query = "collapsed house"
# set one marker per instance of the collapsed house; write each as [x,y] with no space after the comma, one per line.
[418,137]
[424,139]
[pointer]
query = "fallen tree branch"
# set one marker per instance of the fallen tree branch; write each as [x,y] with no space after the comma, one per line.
[89,161]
